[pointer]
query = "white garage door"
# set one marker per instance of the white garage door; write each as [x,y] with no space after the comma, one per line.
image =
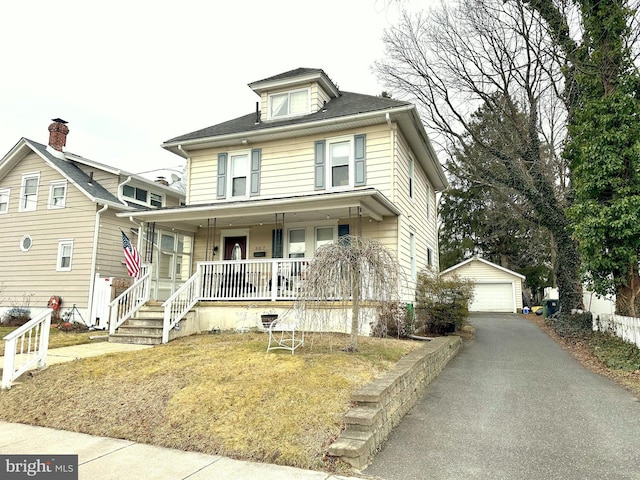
[493,297]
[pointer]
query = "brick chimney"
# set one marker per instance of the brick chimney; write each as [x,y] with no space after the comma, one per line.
[58,134]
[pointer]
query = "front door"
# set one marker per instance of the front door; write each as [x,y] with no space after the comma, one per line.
[229,246]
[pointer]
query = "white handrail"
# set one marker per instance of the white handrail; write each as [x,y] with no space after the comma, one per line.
[130,301]
[178,304]
[26,347]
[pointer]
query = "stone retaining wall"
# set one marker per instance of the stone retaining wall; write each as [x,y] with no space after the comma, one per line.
[380,405]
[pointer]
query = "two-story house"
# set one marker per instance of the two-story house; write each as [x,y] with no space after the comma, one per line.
[60,233]
[310,164]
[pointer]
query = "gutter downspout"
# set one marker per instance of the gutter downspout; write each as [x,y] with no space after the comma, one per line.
[120,190]
[187,170]
[399,221]
[94,259]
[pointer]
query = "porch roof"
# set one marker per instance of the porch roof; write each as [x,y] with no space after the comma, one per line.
[310,207]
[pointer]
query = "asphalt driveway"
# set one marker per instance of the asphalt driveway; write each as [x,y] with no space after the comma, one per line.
[514,405]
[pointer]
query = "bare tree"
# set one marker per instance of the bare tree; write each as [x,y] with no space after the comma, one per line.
[495,56]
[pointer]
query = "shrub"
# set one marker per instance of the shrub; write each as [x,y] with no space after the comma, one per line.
[442,304]
[574,327]
[16,316]
[393,319]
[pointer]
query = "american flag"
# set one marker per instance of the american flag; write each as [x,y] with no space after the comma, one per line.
[131,257]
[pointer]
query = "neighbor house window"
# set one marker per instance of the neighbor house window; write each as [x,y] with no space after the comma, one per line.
[4,200]
[140,195]
[26,243]
[29,192]
[289,103]
[57,194]
[156,200]
[65,251]
[239,175]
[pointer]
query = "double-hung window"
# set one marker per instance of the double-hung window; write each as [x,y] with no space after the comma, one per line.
[289,103]
[239,174]
[57,194]
[324,236]
[65,252]
[4,200]
[340,163]
[29,192]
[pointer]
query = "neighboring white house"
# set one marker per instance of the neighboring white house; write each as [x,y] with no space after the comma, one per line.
[497,289]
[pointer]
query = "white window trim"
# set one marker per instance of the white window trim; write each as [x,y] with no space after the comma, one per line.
[7,193]
[161,199]
[351,165]
[52,186]
[310,235]
[61,245]
[412,179]
[230,176]
[22,247]
[25,177]
[412,256]
[288,92]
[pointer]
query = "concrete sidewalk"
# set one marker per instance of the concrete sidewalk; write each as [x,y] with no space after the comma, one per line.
[113,459]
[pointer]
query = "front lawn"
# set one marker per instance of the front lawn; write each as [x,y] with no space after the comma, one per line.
[216,394]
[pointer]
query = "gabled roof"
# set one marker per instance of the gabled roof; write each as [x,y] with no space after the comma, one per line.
[345,105]
[486,262]
[67,165]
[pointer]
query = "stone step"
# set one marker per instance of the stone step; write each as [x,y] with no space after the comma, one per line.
[144,322]
[140,330]
[136,339]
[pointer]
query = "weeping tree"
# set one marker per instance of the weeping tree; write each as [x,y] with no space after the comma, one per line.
[352,270]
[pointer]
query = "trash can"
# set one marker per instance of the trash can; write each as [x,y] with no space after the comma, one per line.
[550,306]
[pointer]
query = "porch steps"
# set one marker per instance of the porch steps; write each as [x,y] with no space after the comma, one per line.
[144,329]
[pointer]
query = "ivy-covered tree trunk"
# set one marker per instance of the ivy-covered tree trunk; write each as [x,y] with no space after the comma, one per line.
[603,147]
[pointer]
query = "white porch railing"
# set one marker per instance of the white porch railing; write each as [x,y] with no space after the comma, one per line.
[627,328]
[178,304]
[26,347]
[268,279]
[129,302]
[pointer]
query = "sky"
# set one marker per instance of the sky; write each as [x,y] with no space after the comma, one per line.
[129,75]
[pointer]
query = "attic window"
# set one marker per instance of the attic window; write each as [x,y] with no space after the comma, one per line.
[289,103]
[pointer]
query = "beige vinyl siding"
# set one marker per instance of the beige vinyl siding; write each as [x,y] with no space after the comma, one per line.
[110,255]
[414,219]
[33,273]
[291,161]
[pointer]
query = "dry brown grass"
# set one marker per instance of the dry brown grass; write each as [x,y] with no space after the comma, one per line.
[217,394]
[56,338]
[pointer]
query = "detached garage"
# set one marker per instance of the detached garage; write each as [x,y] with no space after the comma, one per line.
[497,289]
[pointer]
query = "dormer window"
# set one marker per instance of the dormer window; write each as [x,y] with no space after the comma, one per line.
[285,104]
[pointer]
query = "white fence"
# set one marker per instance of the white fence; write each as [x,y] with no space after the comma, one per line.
[627,328]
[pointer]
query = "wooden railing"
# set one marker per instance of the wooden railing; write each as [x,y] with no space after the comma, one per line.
[130,301]
[26,348]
